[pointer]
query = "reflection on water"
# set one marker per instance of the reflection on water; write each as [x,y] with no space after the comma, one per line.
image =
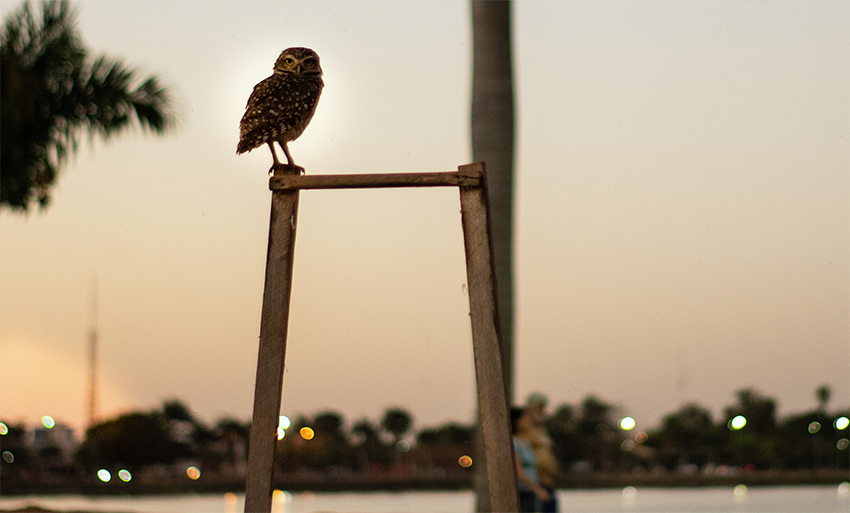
[231,503]
[738,499]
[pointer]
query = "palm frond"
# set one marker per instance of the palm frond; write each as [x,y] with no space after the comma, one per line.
[153,105]
[114,99]
[52,92]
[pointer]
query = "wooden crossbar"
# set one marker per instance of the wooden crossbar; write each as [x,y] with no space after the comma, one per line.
[493,405]
[438,179]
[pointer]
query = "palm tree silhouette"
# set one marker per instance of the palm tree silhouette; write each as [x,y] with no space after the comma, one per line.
[52,92]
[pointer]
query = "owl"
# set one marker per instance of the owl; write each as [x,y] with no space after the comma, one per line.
[281,106]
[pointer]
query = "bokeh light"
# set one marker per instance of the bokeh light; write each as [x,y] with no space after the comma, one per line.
[464,461]
[844,488]
[627,423]
[628,445]
[8,457]
[125,475]
[843,444]
[4,429]
[281,432]
[738,422]
[641,437]
[307,433]
[281,496]
[403,445]
[193,472]
[842,423]
[104,475]
[629,492]
[48,421]
[740,492]
[814,427]
[284,422]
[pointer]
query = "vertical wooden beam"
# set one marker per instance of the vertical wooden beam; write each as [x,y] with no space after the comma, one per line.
[272,351]
[493,407]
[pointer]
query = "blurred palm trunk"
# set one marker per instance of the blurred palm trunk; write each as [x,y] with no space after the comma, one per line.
[493,143]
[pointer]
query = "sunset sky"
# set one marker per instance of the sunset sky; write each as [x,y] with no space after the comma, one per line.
[682,213]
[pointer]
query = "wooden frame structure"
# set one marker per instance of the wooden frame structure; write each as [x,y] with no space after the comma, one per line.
[493,403]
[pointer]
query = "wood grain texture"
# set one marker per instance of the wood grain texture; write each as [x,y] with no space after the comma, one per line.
[493,406]
[437,179]
[272,350]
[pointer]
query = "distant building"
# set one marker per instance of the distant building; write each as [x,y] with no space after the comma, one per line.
[54,446]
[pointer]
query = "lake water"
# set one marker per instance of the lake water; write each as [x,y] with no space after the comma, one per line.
[781,499]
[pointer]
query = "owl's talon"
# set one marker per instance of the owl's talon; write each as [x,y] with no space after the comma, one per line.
[286,169]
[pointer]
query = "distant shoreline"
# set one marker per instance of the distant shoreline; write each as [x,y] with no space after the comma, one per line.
[397,484]
[37,509]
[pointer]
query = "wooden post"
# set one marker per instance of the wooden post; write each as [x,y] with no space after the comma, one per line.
[493,407]
[272,351]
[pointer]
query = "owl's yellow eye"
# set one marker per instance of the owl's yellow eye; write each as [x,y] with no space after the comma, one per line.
[288,61]
[309,61]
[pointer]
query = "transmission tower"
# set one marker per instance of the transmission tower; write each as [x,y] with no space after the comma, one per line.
[92,390]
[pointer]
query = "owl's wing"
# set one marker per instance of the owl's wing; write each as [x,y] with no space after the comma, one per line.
[261,121]
[277,106]
[261,89]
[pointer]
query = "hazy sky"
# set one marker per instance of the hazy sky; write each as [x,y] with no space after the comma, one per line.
[683,213]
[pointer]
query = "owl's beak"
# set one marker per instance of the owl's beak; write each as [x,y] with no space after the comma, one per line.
[298,68]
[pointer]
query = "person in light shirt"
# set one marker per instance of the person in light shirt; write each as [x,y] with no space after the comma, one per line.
[541,443]
[531,494]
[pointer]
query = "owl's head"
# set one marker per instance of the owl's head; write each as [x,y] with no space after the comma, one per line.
[298,61]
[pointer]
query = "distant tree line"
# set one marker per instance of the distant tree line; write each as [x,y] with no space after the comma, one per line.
[587,438]
[689,439]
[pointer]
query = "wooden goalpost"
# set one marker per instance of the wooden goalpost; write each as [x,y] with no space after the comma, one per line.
[493,403]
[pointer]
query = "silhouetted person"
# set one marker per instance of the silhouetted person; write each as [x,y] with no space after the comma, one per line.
[541,443]
[531,494]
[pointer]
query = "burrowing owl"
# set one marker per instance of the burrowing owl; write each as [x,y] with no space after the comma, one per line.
[281,106]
